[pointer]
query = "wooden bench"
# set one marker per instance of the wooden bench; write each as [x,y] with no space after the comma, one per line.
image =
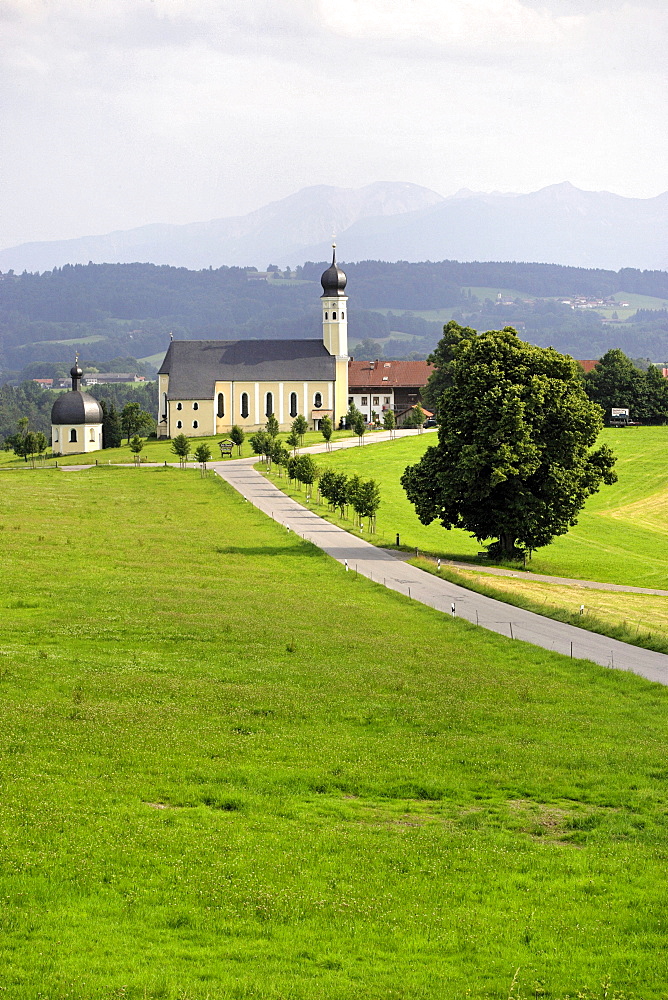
[225,448]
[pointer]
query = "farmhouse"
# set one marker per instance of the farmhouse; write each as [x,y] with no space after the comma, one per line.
[207,386]
[378,386]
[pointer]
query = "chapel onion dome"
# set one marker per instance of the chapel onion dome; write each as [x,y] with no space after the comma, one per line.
[76,407]
[333,280]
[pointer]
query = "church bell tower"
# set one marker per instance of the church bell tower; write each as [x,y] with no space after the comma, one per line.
[334,309]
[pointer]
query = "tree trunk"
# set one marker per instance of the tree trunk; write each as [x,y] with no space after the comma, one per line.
[507,543]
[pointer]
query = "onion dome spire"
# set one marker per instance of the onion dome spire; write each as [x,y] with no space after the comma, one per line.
[333,280]
[76,374]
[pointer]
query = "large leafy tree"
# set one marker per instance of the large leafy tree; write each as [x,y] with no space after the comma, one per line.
[513,461]
[615,381]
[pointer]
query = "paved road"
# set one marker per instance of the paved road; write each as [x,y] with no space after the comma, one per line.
[383,567]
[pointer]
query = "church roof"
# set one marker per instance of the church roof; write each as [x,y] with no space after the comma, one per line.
[76,407]
[194,366]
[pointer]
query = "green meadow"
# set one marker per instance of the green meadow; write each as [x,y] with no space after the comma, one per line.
[229,770]
[155,451]
[621,535]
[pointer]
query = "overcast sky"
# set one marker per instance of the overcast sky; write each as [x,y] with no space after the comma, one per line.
[117,113]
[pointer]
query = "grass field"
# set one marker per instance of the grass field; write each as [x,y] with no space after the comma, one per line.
[621,537]
[207,795]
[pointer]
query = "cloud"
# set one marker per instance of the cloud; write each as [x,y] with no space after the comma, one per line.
[120,112]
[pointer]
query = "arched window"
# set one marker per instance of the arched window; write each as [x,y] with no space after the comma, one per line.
[73,435]
[164,404]
[92,433]
[317,400]
[195,424]
[343,315]
[179,406]
[333,315]
[326,315]
[269,404]
[179,425]
[244,404]
[293,404]
[195,406]
[221,405]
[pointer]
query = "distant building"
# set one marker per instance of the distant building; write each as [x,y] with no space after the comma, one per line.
[588,365]
[109,378]
[46,383]
[379,386]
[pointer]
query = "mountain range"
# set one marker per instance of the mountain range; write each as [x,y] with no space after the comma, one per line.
[390,221]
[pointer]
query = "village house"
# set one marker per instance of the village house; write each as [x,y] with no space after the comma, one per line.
[378,386]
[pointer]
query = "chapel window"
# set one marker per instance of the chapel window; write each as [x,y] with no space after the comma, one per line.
[326,315]
[164,404]
[343,315]
[195,406]
[269,404]
[293,404]
[179,425]
[244,404]
[55,435]
[179,406]
[195,424]
[73,435]
[92,433]
[333,315]
[317,400]
[221,404]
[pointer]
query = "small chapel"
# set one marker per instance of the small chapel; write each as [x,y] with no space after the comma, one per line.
[76,419]
[207,386]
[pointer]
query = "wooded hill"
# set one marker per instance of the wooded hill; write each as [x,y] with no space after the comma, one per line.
[112,310]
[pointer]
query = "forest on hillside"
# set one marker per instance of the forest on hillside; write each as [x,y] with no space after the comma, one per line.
[108,311]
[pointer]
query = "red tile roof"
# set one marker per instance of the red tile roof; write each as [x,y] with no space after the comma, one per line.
[388,374]
[588,365]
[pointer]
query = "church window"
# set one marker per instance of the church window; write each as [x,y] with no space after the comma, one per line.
[55,434]
[179,425]
[195,424]
[293,404]
[343,315]
[179,406]
[164,405]
[92,433]
[73,435]
[269,404]
[221,405]
[244,404]
[326,315]
[317,400]
[333,315]
[195,406]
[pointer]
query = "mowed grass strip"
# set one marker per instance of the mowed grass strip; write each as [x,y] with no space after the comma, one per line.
[230,769]
[621,535]
[641,619]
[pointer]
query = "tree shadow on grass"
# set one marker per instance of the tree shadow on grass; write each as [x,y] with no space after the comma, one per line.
[307,549]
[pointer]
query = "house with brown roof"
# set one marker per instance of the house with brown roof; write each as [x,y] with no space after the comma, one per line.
[379,386]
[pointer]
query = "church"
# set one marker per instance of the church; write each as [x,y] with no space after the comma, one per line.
[207,386]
